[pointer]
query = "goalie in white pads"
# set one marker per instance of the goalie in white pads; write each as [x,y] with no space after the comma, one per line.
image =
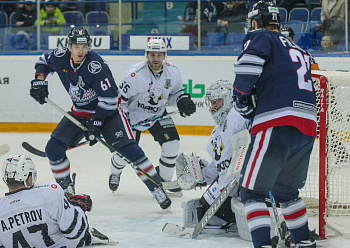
[144,90]
[224,145]
[42,215]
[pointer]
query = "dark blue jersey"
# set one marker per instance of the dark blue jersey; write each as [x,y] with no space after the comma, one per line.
[280,71]
[91,85]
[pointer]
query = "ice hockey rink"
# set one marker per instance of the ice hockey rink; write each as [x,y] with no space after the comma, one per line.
[130,216]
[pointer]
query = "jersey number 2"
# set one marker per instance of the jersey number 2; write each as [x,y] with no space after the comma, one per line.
[18,237]
[297,57]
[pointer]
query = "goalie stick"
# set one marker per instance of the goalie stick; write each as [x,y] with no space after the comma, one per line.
[5,148]
[193,232]
[39,153]
[99,139]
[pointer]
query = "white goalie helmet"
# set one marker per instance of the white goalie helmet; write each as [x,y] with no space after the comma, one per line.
[219,99]
[18,168]
[156,45]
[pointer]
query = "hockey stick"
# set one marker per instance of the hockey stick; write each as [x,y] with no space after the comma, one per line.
[275,213]
[37,152]
[99,139]
[5,148]
[193,232]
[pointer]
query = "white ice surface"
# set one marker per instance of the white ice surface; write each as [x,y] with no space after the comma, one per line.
[130,216]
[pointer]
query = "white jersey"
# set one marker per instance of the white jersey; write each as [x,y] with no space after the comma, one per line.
[40,216]
[220,149]
[143,94]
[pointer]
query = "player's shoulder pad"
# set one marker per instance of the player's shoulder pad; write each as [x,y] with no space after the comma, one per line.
[60,52]
[136,70]
[95,63]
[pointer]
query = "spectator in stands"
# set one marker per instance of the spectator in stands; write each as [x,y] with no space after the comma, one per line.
[26,15]
[51,18]
[8,8]
[234,11]
[211,10]
[328,44]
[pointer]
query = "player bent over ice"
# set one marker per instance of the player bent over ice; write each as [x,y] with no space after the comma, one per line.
[41,215]
[226,140]
[95,95]
[144,90]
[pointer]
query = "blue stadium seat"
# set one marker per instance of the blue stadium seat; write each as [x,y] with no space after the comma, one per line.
[297,26]
[234,41]
[13,18]
[283,14]
[213,41]
[44,41]
[15,42]
[304,40]
[341,46]
[299,14]
[97,22]
[3,19]
[316,14]
[73,18]
[317,45]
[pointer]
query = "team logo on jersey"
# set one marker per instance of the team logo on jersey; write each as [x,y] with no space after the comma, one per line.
[167,83]
[81,96]
[218,147]
[60,51]
[94,67]
[155,95]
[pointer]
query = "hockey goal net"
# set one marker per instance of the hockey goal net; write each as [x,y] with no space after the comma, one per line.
[327,189]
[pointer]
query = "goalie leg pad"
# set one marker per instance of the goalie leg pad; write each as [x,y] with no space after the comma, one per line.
[188,171]
[192,212]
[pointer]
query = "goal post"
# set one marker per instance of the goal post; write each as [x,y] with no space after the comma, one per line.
[327,189]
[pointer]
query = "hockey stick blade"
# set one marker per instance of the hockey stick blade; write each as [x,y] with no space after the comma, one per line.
[170,185]
[33,150]
[4,149]
[178,231]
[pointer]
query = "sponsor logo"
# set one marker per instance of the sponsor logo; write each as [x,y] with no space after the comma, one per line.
[94,67]
[198,87]
[133,74]
[54,186]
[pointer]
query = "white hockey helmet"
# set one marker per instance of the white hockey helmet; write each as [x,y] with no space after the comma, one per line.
[18,168]
[219,99]
[156,45]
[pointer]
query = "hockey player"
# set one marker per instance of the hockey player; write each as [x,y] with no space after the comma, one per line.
[221,147]
[289,33]
[41,215]
[90,84]
[145,88]
[283,125]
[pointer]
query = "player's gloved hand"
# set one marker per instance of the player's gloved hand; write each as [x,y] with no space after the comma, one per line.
[81,200]
[245,103]
[39,90]
[186,106]
[94,131]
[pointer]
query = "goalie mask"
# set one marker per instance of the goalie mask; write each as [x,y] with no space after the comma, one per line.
[19,168]
[264,13]
[219,99]
[156,45]
[79,36]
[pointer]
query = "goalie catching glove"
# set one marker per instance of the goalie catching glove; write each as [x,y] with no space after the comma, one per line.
[81,200]
[189,171]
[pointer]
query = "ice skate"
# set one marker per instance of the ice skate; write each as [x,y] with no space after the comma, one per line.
[98,238]
[69,187]
[114,180]
[162,198]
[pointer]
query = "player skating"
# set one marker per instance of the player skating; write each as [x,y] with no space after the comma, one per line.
[144,89]
[283,125]
[91,86]
[41,215]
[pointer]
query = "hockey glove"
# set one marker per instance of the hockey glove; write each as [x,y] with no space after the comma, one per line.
[94,130]
[186,106]
[245,104]
[81,200]
[39,90]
